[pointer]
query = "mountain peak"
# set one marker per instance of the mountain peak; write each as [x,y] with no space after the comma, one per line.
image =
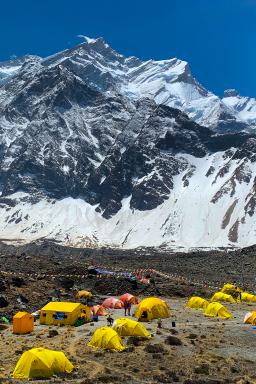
[231,93]
[96,42]
[88,39]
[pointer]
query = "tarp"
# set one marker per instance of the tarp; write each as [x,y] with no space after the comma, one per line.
[152,308]
[196,302]
[106,338]
[112,302]
[128,297]
[128,327]
[217,310]
[41,363]
[102,271]
[4,320]
[220,296]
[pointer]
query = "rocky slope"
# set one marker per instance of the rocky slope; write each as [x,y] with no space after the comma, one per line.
[101,149]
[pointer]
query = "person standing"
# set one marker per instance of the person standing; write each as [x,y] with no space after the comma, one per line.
[110,320]
[126,303]
[129,308]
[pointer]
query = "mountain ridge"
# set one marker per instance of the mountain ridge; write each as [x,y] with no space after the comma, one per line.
[99,149]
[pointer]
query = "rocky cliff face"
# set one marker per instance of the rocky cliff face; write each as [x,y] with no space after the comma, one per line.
[101,149]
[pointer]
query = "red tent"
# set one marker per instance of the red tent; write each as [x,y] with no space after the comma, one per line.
[98,310]
[128,297]
[112,302]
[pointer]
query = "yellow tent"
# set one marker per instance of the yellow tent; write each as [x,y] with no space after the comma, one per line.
[40,363]
[152,308]
[128,327]
[230,288]
[106,338]
[196,302]
[250,318]
[248,297]
[23,322]
[84,294]
[220,296]
[217,310]
[57,312]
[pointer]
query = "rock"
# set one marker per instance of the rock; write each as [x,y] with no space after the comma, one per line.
[109,379]
[202,369]
[53,333]
[130,349]
[155,348]
[98,354]
[207,381]
[172,340]
[3,285]
[234,369]
[23,299]
[174,331]
[192,336]
[18,352]
[173,376]
[3,302]
[157,356]
[135,341]
[168,377]
[67,283]
[17,281]
[3,327]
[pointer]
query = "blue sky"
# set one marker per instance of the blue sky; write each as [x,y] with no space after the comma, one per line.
[217,37]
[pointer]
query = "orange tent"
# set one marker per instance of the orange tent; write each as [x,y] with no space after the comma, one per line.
[128,297]
[98,310]
[23,322]
[250,318]
[112,302]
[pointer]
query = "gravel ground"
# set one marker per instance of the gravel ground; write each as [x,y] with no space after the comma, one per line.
[211,349]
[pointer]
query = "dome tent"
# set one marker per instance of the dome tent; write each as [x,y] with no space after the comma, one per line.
[217,310]
[230,288]
[112,302]
[84,293]
[128,327]
[41,363]
[152,308]
[106,338]
[98,310]
[128,297]
[250,318]
[220,296]
[248,297]
[196,302]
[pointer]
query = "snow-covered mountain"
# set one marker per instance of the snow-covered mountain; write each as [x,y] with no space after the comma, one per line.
[100,149]
[243,107]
